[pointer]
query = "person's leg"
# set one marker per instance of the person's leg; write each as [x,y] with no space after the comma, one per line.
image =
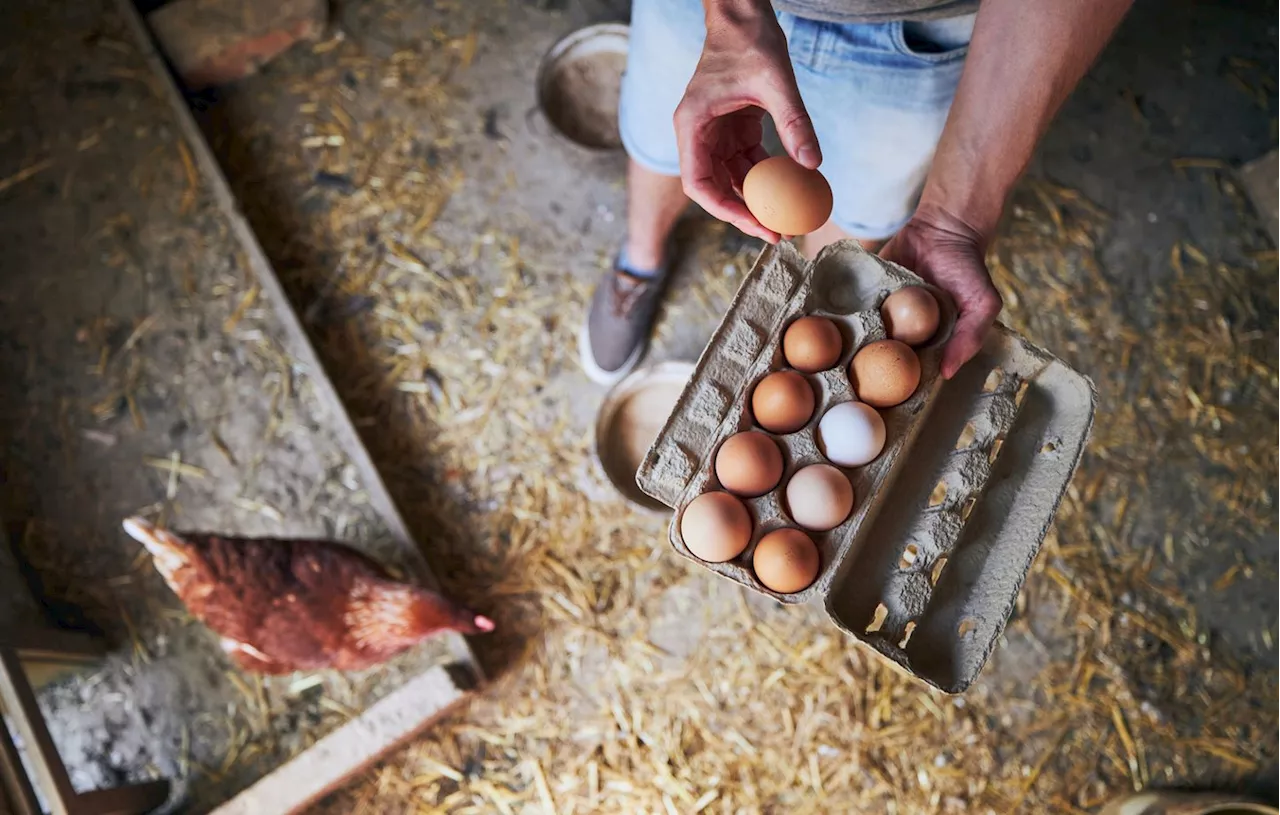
[654,204]
[665,45]
[879,96]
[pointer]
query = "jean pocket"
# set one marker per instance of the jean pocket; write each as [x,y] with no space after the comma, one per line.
[933,42]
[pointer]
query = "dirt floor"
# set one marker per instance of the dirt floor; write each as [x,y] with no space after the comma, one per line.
[146,373]
[442,244]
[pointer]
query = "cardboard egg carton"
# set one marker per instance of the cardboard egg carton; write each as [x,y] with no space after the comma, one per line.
[947,520]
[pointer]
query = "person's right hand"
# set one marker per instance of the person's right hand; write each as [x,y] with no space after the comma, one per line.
[946,251]
[744,72]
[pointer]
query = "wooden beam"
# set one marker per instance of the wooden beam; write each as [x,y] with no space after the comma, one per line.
[17,797]
[46,644]
[355,746]
[20,703]
[134,799]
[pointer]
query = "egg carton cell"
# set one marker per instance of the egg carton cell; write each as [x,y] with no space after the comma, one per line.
[946,520]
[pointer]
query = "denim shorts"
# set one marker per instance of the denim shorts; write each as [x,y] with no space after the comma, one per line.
[878,95]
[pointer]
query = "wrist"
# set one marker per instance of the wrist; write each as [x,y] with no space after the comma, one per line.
[744,17]
[955,221]
[966,204]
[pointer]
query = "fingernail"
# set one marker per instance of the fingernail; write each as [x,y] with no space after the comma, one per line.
[810,157]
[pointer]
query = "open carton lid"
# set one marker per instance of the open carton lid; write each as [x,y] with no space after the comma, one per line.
[947,520]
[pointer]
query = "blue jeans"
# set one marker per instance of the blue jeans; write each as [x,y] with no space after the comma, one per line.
[878,95]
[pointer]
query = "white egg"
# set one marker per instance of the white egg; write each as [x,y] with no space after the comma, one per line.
[851,434]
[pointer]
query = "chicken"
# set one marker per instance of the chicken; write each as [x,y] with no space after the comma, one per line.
[290,605]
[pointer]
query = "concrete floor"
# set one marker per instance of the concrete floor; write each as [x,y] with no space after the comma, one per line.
[1144,106]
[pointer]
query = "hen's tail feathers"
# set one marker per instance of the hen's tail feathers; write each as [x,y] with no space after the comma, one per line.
[169,550]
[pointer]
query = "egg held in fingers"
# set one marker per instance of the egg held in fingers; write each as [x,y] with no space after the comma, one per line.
[786,197]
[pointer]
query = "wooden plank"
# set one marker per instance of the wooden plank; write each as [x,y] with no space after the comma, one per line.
[296,336]
[134,799]
[355,746]
[47,644]
[20,705]
[16,794]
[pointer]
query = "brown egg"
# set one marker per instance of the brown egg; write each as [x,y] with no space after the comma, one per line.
[819,497]
[812,344]
[787,197]
[716,527]
[782,402]
[910,315]
[884,373]
[786,560]
[749,464]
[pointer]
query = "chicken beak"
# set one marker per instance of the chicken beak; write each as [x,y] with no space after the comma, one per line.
[167,549]
[140,529]
[468,622]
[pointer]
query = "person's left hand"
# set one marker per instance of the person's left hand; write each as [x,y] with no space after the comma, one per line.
[950,254]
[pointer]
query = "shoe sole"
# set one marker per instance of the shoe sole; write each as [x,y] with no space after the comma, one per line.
[597,374]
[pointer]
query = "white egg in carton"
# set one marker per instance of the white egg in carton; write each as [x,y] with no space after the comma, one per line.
[946,520]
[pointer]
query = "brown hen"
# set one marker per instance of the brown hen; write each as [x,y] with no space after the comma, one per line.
[292,605]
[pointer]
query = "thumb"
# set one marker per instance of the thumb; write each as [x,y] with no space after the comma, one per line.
[790,117]
[964,345]
[977,312]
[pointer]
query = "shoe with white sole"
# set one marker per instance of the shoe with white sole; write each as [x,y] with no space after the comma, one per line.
[619,320]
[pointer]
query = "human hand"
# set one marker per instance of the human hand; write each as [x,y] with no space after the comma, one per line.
[744,72]
[950,254]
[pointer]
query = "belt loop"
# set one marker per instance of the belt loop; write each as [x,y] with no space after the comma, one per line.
[801,39]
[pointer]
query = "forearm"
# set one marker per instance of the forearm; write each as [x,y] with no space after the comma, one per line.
[1025,58]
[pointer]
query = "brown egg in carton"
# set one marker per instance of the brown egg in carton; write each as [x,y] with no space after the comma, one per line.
[946,520]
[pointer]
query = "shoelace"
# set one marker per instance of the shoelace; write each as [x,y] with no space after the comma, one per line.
[626,291]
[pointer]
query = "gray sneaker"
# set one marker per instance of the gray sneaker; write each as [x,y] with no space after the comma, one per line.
[616,332]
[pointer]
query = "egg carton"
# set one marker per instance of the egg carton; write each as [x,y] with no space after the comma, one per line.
[948,518]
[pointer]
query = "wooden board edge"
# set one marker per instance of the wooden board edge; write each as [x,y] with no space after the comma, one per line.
[351,749]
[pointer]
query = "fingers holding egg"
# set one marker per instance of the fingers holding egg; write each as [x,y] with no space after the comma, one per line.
[786,197]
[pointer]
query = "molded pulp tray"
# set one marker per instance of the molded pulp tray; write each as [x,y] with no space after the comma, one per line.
[947,520]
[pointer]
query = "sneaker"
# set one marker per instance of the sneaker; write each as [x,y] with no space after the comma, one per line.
[619,319]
